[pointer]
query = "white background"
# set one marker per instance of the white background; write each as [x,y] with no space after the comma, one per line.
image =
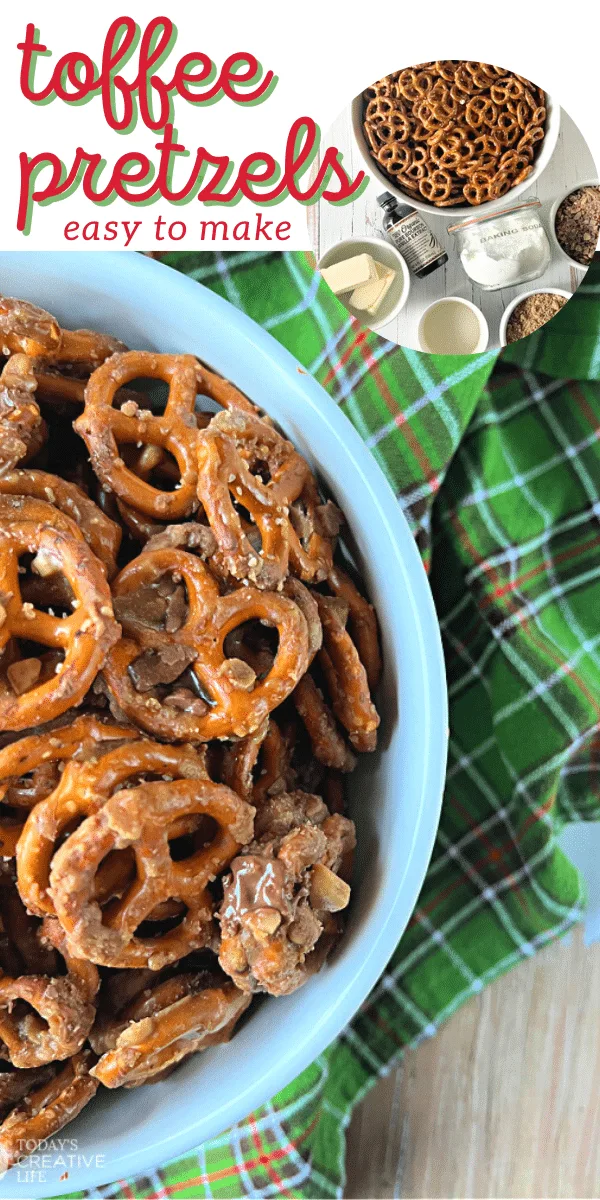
[323,53]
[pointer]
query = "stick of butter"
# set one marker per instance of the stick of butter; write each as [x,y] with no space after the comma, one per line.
[344,276]
[368,296]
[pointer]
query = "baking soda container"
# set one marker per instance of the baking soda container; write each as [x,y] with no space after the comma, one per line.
[507,247]
[411,236]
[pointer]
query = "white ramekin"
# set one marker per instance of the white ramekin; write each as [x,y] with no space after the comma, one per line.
[552,221]
[517,300]
[387,254]
[484,333]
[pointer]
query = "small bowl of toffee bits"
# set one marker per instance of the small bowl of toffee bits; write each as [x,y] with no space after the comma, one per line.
[529,312]
[575,223]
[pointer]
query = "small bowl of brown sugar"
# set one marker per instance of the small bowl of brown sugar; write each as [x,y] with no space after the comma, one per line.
[575,223]
[529,312]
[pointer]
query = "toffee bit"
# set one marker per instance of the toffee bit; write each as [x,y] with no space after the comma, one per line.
[532,313]
[577,224]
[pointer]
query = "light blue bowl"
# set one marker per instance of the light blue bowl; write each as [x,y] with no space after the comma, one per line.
[395,794]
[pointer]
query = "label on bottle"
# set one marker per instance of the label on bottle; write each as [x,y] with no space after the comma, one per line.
[415,241]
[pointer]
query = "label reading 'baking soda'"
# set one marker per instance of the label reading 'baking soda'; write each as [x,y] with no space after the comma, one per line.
[415,241]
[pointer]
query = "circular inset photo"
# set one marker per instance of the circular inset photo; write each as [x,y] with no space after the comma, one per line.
[482,212]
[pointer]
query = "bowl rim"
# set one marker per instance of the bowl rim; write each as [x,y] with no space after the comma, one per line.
[481,317]
[553,117]
[371,240]
[552,222]
[510,307]
[120,274]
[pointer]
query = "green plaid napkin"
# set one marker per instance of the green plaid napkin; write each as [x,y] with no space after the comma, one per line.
[496,464]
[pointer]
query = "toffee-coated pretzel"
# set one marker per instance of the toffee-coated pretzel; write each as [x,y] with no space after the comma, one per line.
[362,622]
[261,764]
[141,818]
[27,329]
[57,1021]
[84,636]
[29,768]
[164,1024]
[277,918]
[346,677]
[328,745]
[238,702]
[102,535]
[83,788]
[15,1084]
[232,444]
[60,1008]
[103,428]
[22,428]
[47,1109]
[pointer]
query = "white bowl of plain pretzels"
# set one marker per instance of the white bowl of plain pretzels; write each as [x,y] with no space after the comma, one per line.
[175,807]
[453,138]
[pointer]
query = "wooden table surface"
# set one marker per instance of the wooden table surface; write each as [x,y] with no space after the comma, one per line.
[503,1102]
[571,163]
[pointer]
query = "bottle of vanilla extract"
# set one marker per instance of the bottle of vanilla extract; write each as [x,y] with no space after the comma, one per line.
[411,236]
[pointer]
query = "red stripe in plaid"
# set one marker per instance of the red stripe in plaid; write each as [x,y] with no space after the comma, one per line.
[249,1164]
[542,568]
[341,362]
[266,1161]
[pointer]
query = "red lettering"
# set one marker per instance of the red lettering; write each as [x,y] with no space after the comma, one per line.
[59,182]
[147,82]
[31,49]
[67,67]
[230,77]
[184,78]
[118,45]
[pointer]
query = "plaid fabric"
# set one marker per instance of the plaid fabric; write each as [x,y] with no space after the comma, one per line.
[496,465]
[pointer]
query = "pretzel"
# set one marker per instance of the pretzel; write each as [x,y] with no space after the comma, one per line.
[394,157]
[27,329]
[437,186]
[85,636]
[103,427]
[346,677]
[228,450]
[140,817]
[22,429]
[362,622]
[379,110]
[24,951]
[102,535]
[261,764]
[238,703]
[276,916]
[165,1024]
[420,124]
[83,788]
[314,527]
[46,1109]
[240,759]
[446,69]
[63,1014]
[29,768]
[16,1084]
[328,745]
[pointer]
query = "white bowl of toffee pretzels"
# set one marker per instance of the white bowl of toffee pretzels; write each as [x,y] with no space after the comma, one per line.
[187,681]
[454,135]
